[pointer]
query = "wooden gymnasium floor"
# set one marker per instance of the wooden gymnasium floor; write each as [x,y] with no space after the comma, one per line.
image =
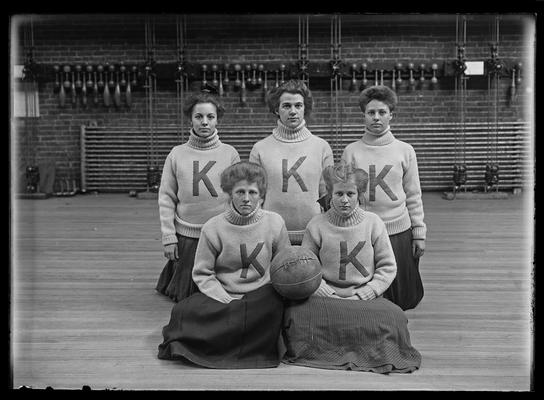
[84,310]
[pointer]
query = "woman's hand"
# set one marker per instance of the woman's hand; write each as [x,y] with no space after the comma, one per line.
[366,293]
[171,251]
[418,247]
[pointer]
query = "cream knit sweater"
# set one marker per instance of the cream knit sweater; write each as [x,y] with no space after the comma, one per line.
[190,191]
[234,252]
[294,160]
[354,251]
[394,191]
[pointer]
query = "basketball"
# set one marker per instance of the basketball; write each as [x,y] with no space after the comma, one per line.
[295,273]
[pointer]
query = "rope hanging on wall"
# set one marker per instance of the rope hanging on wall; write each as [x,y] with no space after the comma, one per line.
[336,79]
[459,167]
[32,172]
[181,76]
[153,173]
[303,49]
[494,65]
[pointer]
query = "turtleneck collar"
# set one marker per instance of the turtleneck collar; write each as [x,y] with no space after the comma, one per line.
[286,134]
[336,218]
[200,143]
[235,218]
[381,139]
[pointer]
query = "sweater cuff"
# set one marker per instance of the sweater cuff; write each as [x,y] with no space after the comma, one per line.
[419,232]
[324,290]
[169,239]
[371,293]
[377,288]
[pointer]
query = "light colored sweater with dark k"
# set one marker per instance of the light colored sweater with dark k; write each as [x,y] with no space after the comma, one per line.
[354,251]
[294,160]
[234,252]
[394,191]
[190,191]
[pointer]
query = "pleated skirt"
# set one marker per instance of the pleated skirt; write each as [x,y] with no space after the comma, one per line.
[244,333]
[359,335]
[406,290]
[176,280]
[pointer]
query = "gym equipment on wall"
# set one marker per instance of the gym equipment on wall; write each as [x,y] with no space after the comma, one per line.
[181,75]
[336,81]
[460,167]
[117,91]
[303,43]
[104,82]
[411,80]
[150,86]
[29,82]
[364,81]
[494,69]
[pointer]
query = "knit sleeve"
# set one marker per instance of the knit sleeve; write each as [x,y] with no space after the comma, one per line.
[385,265]
[324,290]
[328,159]
[282,240]
[235,156]
[414,203]
[168,199]
[254,155]
[310,239]
[204,270]
[345,156]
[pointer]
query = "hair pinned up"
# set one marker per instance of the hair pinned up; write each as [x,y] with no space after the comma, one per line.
[345,173]
[293,86]
[244,170]
[203,97]
[380,93]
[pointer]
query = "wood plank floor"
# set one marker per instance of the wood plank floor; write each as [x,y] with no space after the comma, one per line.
[84,310]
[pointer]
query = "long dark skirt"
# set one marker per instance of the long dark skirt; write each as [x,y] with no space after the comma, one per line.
[241,334]
[406,290]
[359,335]
[176,280]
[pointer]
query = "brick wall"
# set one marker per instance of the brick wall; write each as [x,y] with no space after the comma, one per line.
[375,40]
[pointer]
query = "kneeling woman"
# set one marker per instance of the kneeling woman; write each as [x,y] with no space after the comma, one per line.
[235,320]
[346,323]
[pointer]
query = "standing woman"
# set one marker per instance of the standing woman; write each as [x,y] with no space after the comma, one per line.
[293,158]
[189,194]
[394,191]
[235,320]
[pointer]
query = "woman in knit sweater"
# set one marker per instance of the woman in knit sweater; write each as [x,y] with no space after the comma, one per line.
[235,320]
[189,193]
[346,323]
[394,191]
[293,158]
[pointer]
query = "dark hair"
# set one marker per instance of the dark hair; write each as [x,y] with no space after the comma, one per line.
[345,173]
[203,97]
[293,86]
[380,93]
[244,170]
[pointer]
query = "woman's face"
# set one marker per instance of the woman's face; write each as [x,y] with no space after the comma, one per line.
[204,119]
[377,116]
[291,109]
[344,197]
[245,197]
